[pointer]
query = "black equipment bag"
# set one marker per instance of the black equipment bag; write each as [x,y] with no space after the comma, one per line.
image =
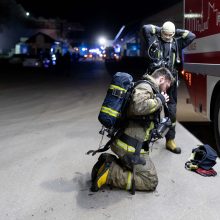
[204,156]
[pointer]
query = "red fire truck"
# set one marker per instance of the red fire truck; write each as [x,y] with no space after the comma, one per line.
[202,59]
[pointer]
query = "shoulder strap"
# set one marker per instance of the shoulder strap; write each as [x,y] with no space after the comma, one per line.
[156,91]
[177,51]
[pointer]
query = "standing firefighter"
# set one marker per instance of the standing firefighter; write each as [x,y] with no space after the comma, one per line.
[164,47]
[132,145]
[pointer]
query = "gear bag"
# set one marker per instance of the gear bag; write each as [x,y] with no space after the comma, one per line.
[112,111]
[203,157]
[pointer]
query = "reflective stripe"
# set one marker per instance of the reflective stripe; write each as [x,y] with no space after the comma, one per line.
[110,111]
[127,147]
[192,156]
[128,187]
[158,54]
[152,105]
[117,87]
[153,29]
[173,124]
[185,34]
[174,57]
[153,110]
[147,135]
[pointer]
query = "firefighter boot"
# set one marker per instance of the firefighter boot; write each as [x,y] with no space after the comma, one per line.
[171,146]
[104,157]
[101,178]
[100,171]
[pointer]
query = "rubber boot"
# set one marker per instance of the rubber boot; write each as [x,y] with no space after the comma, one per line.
[171,146]
[100,171]
[101,177]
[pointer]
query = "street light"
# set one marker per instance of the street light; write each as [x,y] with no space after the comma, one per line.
[27,14]
[102,41]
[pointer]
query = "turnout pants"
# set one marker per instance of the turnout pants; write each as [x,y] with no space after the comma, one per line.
[145,175]
[171,113]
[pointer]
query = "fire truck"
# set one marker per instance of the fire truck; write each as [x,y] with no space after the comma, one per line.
[202,59]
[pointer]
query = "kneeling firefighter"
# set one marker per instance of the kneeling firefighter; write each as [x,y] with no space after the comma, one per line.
[132,145]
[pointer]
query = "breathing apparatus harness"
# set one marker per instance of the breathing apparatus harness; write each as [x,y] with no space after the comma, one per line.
[156,55]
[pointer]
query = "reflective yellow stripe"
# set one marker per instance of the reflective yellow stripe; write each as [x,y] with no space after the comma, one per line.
[109,111]
[127,147]
[128,187]
[117,87]
[185,34]
[147,135]
[102,179]
[153,29]
[158,54]
[152,105]
[174,57]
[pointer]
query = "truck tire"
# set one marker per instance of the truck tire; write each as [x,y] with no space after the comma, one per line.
[216,123]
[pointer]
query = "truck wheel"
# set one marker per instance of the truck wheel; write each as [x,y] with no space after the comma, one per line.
[216,123]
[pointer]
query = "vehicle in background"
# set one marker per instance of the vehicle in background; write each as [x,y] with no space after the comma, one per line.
[32,62]
[25,60]
[110,55]
[17,59]
[202,59]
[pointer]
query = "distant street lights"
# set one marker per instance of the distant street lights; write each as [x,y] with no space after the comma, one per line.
[102,41]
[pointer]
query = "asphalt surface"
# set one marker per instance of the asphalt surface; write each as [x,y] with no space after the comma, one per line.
[49,121]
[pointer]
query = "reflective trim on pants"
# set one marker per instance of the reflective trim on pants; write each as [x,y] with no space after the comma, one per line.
[128,187]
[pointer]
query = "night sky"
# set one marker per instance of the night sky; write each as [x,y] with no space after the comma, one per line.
[105,17]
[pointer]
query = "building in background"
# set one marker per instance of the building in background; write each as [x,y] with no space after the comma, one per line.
[39,44]
[15,26]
